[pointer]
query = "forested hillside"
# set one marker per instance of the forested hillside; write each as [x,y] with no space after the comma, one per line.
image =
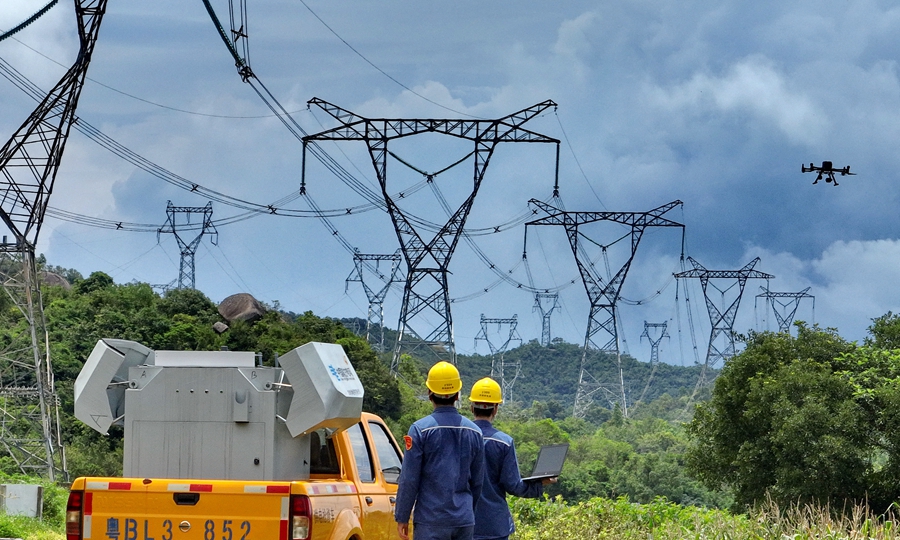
[550,375]
[610,455]
[811,418]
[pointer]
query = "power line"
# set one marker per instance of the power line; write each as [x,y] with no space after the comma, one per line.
[383,72]
[138,98]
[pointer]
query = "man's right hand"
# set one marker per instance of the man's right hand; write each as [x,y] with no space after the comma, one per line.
[403,530]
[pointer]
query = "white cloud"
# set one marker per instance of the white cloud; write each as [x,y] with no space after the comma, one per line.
[573,40]
[753,85]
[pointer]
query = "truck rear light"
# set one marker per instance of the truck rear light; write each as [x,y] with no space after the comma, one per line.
[301,518]
[74,512]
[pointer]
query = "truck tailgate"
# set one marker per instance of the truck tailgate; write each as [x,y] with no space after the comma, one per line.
[138,509]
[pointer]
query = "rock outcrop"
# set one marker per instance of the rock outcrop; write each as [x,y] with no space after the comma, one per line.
[241,307]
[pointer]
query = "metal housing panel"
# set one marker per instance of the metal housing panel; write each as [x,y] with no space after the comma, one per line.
[327,392]
[215,416]
[181,423]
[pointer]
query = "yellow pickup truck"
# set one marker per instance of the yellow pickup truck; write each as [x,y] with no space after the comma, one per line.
[220,448]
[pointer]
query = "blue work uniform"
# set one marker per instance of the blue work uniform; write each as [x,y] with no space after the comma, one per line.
[442,475]
[501,476]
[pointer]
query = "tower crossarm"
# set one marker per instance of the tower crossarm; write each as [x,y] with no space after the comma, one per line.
[746,272]
[772,294]
[594,284]
[652,218]
[358,128]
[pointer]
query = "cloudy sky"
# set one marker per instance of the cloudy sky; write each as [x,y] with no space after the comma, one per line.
[715,104]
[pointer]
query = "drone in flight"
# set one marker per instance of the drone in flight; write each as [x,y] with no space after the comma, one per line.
[828,170]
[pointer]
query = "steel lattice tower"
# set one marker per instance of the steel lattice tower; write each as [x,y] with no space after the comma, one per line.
[654,342]
[553,300]
[500,368]
[376,298]
[426,293]
[789,308]
[721,337]
[29,163]
[603,295]
[186,277]
[654,350]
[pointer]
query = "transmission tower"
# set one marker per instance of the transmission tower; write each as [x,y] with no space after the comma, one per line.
[546,303]
[500,368]
[29,162]
[186,277]
[376,298]
[785,316]
[602,294]
[425,294]
[654,342]
[721,337]
[654,350]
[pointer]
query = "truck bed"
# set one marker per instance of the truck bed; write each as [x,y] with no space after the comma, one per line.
[147,509]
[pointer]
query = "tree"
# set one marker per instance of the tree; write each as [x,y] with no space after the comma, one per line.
[805,419]
[884,333]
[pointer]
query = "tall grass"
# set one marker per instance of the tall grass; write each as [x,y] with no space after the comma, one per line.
[51,526]
[662,520]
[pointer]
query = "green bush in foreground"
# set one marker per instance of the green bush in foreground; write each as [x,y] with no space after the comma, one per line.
[662,520]
[29,528]
[52,524]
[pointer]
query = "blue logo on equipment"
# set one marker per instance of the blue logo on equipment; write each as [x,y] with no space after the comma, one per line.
[334,372]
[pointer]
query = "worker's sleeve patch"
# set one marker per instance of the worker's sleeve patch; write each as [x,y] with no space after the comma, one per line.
[408,440]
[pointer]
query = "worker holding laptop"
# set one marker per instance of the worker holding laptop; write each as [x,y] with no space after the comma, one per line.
[501,472]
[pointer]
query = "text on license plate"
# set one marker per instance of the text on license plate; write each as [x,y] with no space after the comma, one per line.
[134,529]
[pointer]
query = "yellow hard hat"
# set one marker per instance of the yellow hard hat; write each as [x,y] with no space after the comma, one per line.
[443,379]
[486,391]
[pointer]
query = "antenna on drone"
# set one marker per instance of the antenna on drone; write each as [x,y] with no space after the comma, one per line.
[186,274]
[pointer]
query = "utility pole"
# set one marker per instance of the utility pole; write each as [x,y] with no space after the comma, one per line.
[721,336]
[785,316]
[500,368]
[546,303]
[426,296]
[186,276]
[375,318]
[602,293]
[29,162]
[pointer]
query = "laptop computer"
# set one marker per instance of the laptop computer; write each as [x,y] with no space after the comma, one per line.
[549,462]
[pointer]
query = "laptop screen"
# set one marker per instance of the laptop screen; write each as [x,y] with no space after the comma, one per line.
[550,461]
